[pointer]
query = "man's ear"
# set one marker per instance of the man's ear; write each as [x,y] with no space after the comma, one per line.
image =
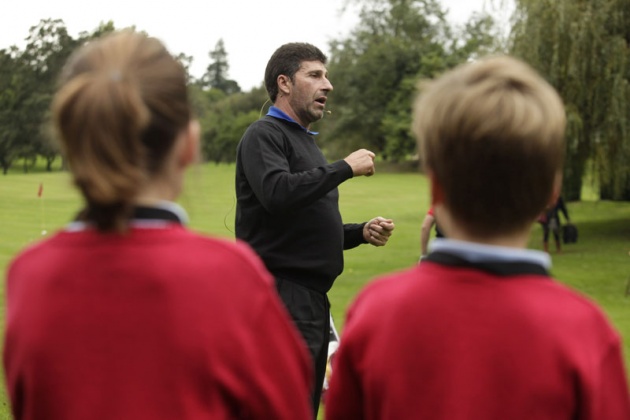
[190,149]
[284,84]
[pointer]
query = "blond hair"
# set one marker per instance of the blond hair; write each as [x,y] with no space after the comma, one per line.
[492,134]
[121,103]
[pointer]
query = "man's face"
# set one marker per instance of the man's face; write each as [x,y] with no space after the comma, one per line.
[309,92]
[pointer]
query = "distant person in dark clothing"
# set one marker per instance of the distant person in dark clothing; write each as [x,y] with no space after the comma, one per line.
[287,197]
[550,222]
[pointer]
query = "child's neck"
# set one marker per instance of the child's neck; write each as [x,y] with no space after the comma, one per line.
[519,240]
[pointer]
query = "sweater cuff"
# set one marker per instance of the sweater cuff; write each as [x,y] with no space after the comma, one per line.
[343,168]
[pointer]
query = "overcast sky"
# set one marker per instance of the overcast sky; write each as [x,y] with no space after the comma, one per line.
[250,29]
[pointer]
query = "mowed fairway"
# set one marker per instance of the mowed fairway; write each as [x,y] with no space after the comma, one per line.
[598,265]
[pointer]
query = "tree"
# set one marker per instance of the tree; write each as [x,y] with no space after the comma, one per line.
[22,103]
[225,120]
[10,86]
[376,69]
[582,48]
[27,90]
[29,79]
[48,47]
[216,76]
[186,62]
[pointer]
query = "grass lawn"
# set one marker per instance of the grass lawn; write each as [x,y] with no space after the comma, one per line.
[597,265]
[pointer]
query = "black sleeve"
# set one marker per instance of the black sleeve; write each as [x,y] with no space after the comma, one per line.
[353,235]
[265,162]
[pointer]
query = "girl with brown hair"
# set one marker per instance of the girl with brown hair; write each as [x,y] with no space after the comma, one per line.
[127,314]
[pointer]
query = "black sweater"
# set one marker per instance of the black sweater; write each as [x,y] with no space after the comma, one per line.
[288,204]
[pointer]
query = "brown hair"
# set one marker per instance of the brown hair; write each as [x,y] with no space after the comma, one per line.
[122,101]
[492,134]
[287,60]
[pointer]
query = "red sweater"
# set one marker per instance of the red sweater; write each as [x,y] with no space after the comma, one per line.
[157,324]
[438,342]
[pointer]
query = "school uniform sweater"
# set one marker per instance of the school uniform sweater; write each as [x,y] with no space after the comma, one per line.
[158,323]
[452,339]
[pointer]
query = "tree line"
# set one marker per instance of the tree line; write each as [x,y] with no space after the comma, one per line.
[581,46]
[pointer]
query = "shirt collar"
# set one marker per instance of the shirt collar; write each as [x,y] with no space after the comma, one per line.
[277,113]
[480,253]
[160,214]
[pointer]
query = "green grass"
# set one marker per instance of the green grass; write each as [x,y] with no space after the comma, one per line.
[597,265]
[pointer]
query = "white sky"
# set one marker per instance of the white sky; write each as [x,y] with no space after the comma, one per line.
[250,29]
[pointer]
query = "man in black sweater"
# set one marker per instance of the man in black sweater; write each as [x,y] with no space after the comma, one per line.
[287,198]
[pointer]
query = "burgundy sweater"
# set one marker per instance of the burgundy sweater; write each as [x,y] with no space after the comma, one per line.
[157,324]
[442,342]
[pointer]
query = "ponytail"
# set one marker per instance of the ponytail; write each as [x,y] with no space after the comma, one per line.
[103,119]
[122,101]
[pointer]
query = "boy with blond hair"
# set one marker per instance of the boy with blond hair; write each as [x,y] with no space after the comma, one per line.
[480,330]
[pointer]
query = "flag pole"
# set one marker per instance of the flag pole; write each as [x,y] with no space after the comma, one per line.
[42,210]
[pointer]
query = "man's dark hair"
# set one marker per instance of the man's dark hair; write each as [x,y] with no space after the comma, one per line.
[287,60]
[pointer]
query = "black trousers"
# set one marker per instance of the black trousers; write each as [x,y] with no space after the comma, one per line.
[310,311]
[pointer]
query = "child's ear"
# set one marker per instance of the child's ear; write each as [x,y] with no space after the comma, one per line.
[190,153]
[556,190]
[437,194]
